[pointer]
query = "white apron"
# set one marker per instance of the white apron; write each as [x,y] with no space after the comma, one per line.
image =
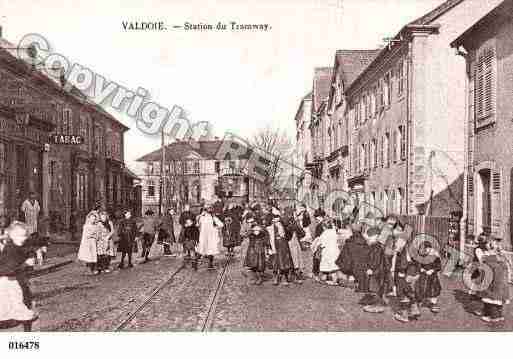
[209,243]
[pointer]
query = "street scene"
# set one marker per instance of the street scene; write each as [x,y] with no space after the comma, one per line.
[377,199]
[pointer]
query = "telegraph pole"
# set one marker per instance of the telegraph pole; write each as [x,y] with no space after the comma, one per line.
[162,177]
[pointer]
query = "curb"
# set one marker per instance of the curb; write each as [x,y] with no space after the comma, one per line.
[48,269]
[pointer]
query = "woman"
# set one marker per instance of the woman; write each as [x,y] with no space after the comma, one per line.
[231,230]
[127,232]
[90,233]
[294,233]
[280,249]
[105,243]
[209,236]
[256,253]
[167,232]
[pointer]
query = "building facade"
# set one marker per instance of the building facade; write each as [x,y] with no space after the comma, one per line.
[303,148]
[67,178]
[487,47]
[193,173]
[403,115]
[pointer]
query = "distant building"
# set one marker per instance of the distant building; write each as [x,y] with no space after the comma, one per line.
[487,47]
[303,153]
[194,172]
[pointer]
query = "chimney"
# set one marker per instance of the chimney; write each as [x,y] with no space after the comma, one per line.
[62,77]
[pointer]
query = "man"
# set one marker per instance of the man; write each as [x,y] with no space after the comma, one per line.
[30,208]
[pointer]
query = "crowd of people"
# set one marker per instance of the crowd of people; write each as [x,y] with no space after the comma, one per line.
[373,256]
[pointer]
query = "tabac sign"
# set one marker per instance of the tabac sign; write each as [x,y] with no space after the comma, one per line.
[64,139]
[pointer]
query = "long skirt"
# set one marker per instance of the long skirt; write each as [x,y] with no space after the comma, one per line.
[295,252]
[282,258]
[13,305]
[255,257]
[87,251]
[428,286]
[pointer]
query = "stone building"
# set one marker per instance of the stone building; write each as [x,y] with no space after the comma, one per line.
[303,148]
[194,172]
[487,46]
[67,178]
[319,135]
[403,114]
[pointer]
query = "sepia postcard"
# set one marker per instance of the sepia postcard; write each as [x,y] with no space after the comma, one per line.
[254,166]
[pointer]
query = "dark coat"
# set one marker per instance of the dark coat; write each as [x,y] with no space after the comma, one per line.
[282,257]
[167,229]
[404,269]
[353,260]
[231,230]
[127,231]
[376,262]
[190,237]
[256,253]
[428,286]
[498,290]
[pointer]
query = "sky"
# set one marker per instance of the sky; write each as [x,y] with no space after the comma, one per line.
[238,81]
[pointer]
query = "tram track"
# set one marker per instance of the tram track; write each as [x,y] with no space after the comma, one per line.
[208,311]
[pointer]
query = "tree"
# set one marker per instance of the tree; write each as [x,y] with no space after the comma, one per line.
[278,148]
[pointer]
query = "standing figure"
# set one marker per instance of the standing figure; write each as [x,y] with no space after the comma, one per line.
[16,299]
[319,215]
[231,230]
[30,208]
[497,293]
[294,234]
[166,233]
[87,251]
[280,250]
[258,247]
[375,272]
[209,235]
[190,241]
[303,219]
[105,243]
[428,286]
[327,244]
[149,229]
[184,216]
[407,273]
[127,231]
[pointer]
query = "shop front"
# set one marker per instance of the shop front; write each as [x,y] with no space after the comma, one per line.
[23,139]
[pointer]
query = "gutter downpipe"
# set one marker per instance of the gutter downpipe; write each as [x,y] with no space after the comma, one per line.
[466,144]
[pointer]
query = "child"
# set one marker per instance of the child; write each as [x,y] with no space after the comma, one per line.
[256,254]
[127,231]
[149,229]
[375,271]
[16,302]
[231,231]
[4,223]
[496,294]
[406,276]
[327,243]
[190,240]
[428,286]
[319,215]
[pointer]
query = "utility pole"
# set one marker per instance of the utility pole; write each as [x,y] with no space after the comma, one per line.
[162,177]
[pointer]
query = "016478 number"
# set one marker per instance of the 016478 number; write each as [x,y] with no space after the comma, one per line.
[23,345]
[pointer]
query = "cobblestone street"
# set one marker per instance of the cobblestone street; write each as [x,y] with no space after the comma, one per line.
[70,299]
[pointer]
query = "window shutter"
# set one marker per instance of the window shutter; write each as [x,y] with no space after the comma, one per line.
[484,83]
[496,204]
